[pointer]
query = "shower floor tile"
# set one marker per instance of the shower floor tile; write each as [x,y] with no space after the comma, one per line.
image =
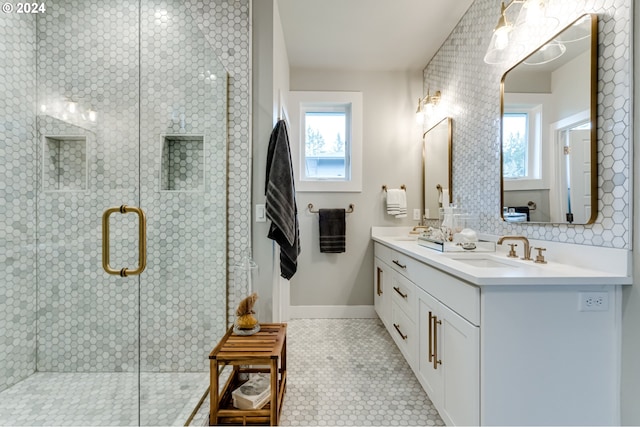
[347,372]
[67,399]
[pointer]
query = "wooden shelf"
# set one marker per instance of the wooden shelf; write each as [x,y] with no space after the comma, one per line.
[265,348]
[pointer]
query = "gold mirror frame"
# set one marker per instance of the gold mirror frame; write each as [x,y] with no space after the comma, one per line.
[434,180]
[592,118]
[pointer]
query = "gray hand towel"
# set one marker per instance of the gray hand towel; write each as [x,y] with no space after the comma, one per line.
[332,230]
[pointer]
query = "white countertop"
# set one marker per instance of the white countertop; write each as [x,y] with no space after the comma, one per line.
[498,269]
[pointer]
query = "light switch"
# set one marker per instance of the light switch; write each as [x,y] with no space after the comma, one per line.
[261,215]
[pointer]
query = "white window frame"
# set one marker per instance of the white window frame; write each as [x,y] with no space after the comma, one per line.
[302,101]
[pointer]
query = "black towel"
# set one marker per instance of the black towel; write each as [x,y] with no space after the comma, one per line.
[280,204]
[332,230]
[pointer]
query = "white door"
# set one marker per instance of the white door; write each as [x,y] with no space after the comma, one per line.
[579,174]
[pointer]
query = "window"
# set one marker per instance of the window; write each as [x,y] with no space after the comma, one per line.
[521,143]
[514,145]
[326,140]
[326,145]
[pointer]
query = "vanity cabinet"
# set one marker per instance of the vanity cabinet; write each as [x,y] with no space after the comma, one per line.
[507,352]
[440,345]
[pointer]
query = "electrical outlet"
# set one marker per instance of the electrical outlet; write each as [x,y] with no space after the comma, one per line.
[594,301]
[416,214]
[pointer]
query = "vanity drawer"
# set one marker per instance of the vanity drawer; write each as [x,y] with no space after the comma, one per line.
[401,263]
[403,293]
[461,297]
[404,333]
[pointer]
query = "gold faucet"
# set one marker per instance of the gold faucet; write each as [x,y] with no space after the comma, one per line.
[527,248]
[417,228]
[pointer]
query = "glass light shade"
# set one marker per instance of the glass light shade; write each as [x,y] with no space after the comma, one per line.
[547,53]
[497,50]
[419,113]
[535,13]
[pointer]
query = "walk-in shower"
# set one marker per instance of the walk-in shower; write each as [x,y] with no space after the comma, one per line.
[104,104]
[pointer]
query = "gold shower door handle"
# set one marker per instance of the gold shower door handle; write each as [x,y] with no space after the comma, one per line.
[142,249]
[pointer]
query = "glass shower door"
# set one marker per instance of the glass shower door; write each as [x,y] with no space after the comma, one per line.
[87,134]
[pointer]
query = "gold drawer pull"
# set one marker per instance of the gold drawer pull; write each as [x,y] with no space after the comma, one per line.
[397,289]
[396,262]
[404,337]
[378,279]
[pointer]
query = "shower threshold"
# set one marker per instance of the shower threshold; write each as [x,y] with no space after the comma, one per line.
[101,399]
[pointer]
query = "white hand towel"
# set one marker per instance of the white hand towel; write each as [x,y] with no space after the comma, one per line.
[397,203]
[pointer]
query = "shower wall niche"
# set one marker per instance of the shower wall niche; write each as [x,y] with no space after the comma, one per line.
[182,164]
[65,163]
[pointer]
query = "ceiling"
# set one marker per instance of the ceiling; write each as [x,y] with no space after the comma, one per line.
[367,34]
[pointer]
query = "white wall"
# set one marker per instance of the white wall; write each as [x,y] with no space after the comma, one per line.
[392,150]
[270,79]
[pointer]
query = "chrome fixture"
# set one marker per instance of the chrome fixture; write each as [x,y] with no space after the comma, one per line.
[426,105]
[527,248]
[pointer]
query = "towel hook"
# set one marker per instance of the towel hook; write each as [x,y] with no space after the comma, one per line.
[350,210]
[402,187]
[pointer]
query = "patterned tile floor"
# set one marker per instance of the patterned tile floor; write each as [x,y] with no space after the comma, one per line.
[347,372]
[341,372]
[99,399]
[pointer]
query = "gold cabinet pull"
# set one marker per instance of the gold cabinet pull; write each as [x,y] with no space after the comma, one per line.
[142,248]
[378,278]
[430,337]
[436,361]
[397,289]
[404,337]
[396,262]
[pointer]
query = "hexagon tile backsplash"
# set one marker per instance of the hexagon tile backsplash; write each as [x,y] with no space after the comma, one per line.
[471,96]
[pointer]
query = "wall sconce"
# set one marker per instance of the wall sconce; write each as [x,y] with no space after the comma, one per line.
[532,13]
[426,105]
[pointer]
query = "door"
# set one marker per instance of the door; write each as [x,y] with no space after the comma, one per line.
[131,110]
[579,174]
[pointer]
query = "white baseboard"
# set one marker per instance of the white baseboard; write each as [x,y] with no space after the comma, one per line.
[332,312]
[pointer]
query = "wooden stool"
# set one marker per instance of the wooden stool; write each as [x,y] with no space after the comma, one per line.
[267,347]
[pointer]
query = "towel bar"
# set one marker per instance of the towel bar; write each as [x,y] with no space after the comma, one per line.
[403,187]
[350,210]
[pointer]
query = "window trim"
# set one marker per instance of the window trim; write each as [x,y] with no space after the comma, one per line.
[299,101]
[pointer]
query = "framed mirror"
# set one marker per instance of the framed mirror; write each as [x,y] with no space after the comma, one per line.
[548,127]
[436,168]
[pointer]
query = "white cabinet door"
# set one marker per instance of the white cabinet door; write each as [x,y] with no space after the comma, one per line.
[382,279]
[459,350]
[430,375]
[449,361]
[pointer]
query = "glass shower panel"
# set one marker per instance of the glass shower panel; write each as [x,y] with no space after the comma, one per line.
[183,188]
[87,135]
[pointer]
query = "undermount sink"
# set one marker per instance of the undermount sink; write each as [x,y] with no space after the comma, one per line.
[484,263]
